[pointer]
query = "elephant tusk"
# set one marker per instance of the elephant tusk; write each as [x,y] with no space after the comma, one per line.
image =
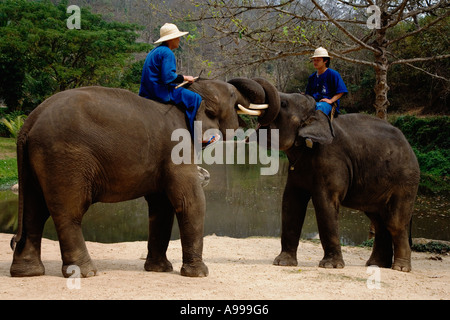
[244,110]
[258,106]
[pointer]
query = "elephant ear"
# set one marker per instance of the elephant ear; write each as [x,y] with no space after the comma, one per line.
[318,128]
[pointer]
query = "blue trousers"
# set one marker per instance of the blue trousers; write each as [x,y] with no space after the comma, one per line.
[324,107]
[190,100]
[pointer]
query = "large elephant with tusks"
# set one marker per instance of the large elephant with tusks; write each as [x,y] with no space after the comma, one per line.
[357,161]
[97,144]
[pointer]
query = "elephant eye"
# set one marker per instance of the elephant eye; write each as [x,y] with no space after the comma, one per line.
[210,113]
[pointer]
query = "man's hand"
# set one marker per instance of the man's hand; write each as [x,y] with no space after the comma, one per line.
[190,79]
[327,101]
[333,100]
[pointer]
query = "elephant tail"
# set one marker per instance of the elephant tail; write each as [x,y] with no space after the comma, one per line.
[410,232]
[22,169]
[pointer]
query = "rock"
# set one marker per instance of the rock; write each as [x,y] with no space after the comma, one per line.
[15,188]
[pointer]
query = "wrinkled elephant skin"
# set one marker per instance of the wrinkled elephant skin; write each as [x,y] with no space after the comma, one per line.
[357,161]
[96,144]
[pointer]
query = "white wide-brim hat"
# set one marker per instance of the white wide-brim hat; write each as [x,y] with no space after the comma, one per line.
[170,31]
[320,53]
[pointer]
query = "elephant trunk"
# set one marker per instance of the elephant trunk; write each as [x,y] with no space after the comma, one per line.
[259,91]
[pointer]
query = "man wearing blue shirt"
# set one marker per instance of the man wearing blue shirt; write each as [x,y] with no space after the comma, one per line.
[159,77]
[325,85]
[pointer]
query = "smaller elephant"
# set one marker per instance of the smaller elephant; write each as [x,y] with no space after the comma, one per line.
[357,161]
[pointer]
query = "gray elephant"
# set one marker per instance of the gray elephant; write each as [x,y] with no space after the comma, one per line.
[357,161]
[96,144]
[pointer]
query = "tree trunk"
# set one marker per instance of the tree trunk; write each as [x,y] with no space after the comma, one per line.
[382,66]
[381,87]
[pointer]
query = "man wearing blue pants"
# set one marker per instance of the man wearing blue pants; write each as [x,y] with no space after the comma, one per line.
[325,85]
[159,76]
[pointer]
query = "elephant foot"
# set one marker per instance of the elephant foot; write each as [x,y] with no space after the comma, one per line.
[402,265]
[27,268]
[332,262]
[285,259]
[381,262]
[158,266]
[83,270]
[198,269]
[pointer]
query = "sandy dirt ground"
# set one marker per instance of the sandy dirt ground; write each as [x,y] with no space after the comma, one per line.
[239,269]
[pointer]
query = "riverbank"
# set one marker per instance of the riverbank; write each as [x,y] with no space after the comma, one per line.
[238,269]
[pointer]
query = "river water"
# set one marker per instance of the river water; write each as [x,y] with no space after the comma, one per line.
[240,203]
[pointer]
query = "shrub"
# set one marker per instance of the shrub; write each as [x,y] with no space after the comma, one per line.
[14,122]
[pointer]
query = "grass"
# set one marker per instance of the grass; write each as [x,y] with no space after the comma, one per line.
[8,163]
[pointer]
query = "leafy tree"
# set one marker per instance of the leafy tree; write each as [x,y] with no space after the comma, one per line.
[14,124]
[356,31]
[40,55]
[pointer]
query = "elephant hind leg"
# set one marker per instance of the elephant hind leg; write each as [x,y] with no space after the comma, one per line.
[67,208]
[160,214]
[27,253]
[382,246]
[398,223]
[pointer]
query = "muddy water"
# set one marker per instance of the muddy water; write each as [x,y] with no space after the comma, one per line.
[240,203]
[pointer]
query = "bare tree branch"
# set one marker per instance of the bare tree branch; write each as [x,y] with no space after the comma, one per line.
[405,61]
[428,73]
[340,27]
[440,4]
[356,5]
[353,60]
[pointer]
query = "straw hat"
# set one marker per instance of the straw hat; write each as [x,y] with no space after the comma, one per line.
[320,53]
[170,31]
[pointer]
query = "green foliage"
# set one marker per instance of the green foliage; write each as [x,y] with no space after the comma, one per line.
[430,140]
[435,162]
[425,134]
[367,243]
[8,172]
[8,163]
[39,55]
[14,124]
[10,123]
[432,246]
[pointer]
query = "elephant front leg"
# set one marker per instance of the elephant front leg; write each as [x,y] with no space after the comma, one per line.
[190,210]
[327,222]
[161,213]
[294,207]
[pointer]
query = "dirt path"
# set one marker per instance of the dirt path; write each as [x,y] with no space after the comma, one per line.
[239,269]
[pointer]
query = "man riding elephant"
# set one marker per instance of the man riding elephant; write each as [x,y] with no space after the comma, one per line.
[96,144]
[159,77]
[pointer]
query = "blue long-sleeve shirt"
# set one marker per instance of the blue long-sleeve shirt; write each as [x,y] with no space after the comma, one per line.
[159,75]
[159,79]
